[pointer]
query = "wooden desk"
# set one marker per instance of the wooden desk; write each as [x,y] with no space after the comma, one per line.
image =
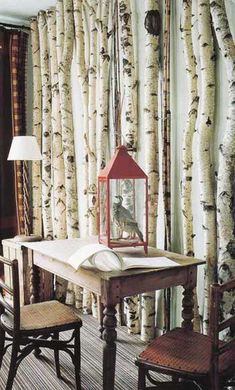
[112,286]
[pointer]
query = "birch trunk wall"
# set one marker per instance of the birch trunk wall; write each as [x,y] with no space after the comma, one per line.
[226,170]
[46,127]
[205,129]
[37,129]
[95,32]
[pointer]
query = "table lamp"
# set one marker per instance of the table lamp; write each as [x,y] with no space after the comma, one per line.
[25,148]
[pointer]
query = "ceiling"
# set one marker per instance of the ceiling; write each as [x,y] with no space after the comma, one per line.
[19,11]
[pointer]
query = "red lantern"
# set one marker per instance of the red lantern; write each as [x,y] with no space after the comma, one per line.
[123,203]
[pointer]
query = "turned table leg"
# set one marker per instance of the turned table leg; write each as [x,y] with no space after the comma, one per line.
[100,316]
[109,348]
[34,288]
[188,298]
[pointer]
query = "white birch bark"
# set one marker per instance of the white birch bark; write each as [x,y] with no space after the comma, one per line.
[64,45]
[65,37]
[92,114]
[187,158]
[103,88]
[166,130]
[205,129]
[58,175]
[82,72]
[132,310]
[226,171]
[37,129]
[129,127]
[151,74]
[187,155]
[46,127]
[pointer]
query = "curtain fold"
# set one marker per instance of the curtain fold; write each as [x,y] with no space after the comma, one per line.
[17,54]
[13,53]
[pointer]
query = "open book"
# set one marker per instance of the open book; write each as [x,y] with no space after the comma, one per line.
[106,259]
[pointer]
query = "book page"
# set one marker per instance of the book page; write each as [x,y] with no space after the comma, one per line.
[148,262]
[96,255]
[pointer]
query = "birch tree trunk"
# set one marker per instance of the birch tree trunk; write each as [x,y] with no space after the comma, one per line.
[83,79]
[65,36]
[166,131]
[151,75]
[92,114]
[129,127]
[226,171]
[187,155]
[64,45]
[205,129]
[37,129]
[58,175]
[103,88]
[46,127]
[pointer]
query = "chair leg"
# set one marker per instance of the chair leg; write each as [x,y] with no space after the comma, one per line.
[12,369]
[56,356]
[2,344]
[77,359]
[141,379]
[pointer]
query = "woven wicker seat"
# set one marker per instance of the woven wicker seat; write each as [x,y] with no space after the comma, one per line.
[35,326]
[183,353]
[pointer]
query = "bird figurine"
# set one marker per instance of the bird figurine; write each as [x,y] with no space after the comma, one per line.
[124,220]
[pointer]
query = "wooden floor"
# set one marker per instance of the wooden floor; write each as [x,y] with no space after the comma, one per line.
[39,374]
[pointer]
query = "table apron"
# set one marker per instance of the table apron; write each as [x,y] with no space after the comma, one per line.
[117,288]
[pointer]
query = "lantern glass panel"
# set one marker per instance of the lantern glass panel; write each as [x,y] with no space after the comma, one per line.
[103,208]
[127,210]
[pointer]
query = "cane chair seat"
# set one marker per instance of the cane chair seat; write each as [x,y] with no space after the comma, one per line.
[186,351]
[35,326]
[205,360]
[42,316]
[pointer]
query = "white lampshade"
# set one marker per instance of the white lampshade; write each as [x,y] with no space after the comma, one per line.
[24,147]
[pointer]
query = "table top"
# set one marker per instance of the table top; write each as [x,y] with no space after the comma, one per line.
[61,250]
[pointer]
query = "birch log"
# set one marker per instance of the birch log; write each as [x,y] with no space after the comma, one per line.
[151,75]
[205,129]
[59,193]
[103,88]
[37,129]
[166,139]
[187,155]
[129,127]
[226,171]
[187,158]
[83,80]
[92,114]
[64,45]
[65,37]
[46,127]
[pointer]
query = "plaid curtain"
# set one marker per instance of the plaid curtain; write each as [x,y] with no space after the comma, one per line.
[18,52]
[8,221]
[13,51]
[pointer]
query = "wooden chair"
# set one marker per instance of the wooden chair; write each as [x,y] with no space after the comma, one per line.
[182,353]
[33,326]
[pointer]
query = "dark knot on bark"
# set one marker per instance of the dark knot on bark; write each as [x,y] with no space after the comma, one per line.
[152,22]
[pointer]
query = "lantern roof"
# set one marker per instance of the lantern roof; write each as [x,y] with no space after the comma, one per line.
[122,166]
